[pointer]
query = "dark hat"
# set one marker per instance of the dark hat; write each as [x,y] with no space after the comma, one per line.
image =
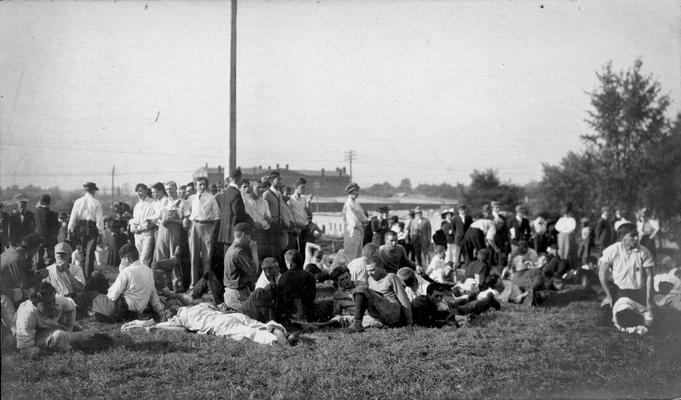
[45,200]
[242,227]
[90,186]
[126,249]
[235,173]
[383,209]
[521,208]
[351,186]
[62,215]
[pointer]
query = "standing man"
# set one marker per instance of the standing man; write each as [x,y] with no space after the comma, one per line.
[204,212]
[354,220]
[86,224]
[143,223]
[420,234]
[4,229]
[632,269]
[259,211]
[519,227]
[380,226]
[462,221]
[501,236]
[275,201]
[47,226]
[605,233]
[22,222]
[300,210]
[232,210]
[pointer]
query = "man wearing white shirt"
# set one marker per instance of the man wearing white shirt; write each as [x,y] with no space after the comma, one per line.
[565,226]
[143,223]
[172,211]
[86,224]
[204,212]
[300,210]
[68,279]
[259,211]
[132,291]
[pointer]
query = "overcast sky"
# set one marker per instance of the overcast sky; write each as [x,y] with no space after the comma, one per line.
[427,90]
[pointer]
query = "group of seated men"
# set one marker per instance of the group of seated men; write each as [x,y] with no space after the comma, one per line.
[380,288]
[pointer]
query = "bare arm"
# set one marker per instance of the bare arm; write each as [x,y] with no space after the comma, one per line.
[602,271]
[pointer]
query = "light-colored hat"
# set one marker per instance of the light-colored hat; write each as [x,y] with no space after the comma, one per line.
[63,248]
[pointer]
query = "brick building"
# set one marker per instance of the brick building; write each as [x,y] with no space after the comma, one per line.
[321,182]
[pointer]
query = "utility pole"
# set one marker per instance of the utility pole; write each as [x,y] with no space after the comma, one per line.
[232,93]
[113,171]
[350,155]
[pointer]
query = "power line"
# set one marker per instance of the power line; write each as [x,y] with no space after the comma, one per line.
[350,155]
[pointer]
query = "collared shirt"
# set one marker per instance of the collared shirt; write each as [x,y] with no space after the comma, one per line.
[257,209]
[61,281]
[627,265]
[298,208]
[144,211]
[136,284]
[566,225]
[87,208]
[30,320]
[203,207]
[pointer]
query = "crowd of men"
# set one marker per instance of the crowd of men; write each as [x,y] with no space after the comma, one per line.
[250,250]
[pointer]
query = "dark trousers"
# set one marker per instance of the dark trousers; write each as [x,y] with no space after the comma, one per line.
[209,281]
[86,236]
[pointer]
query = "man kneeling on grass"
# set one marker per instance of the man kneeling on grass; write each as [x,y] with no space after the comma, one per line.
[131,293]
[384,300]
[46,322]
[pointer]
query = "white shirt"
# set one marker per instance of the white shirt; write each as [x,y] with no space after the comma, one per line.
[136,283]
[353,214]
[627,265]
[87,208]
[29,319]
[61,281]
[358,270]
[486,226]
[625,303]
[203,207]
[258,209]
[566,225]
[298,210]
[144,210]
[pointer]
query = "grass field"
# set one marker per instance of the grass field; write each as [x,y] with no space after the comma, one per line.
[559,350]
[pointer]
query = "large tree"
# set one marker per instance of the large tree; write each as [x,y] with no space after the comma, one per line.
[629,123]
[485,187]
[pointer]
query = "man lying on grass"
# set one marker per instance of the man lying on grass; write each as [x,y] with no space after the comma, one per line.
[383,300]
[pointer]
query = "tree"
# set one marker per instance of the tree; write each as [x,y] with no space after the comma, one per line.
[485,187]
[569,182]
[629,123]
[404,186]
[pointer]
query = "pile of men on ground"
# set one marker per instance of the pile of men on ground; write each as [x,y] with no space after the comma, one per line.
[244,262]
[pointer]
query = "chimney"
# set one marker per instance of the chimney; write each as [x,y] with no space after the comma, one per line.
[343,170]
[287,167]
[268,168]
[322,171]
[259,166]
[277,166]
[340,171]
[206,165]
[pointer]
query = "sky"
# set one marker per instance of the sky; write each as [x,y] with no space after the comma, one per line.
[425,90]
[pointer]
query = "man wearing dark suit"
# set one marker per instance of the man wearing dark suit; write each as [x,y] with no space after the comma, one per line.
[22,222]
[4,229]
[519,227]
[232,210]
[461,223]
[501,237]
[47,226]
[605,233]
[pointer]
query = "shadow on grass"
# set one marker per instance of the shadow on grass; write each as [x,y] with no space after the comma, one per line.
[565,297]
[162,346]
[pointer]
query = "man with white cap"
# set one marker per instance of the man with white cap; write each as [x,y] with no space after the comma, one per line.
[86,224]
[68,279]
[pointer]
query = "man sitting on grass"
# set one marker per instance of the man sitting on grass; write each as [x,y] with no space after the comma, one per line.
[46,322]
[297,288]
[131,293]
[383,300]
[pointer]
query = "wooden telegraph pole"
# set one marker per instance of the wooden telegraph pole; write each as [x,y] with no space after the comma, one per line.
[232,93]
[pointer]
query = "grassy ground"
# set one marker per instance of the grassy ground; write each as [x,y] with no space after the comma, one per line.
[559,350]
